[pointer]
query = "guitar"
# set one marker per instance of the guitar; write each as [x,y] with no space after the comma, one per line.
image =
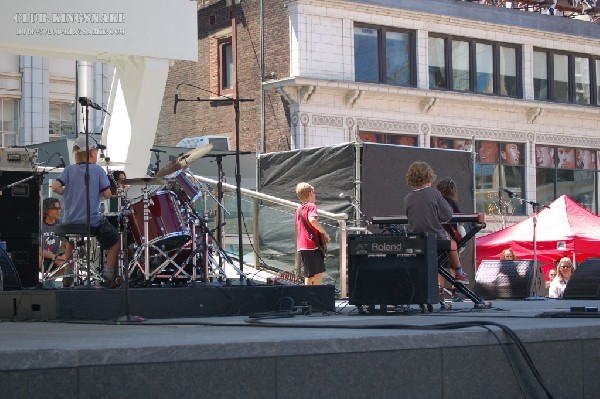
[321,243]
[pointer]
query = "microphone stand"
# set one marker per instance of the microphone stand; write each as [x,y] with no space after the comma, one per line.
[238,177]
[362,217]
[536,283]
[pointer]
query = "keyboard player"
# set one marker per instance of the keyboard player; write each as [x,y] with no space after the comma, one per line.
[426,210]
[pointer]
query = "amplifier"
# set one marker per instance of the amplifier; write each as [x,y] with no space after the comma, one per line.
[392,269]
[18,159]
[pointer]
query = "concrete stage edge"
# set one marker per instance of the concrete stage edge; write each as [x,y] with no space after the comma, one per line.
[335,355]
[84,303]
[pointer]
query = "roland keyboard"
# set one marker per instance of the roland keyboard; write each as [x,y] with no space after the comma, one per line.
[478,218]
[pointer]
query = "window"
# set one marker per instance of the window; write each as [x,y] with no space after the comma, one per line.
[567,170]
[565,78]
[499,165]
[460,66]
[9,122]
[540,76]
[384,138]
[561,78]
[62,119]
[225,66]
[382,55]
[582,80]
[484,79]
[437,63]
[508,71]
[597,76]
[478,67]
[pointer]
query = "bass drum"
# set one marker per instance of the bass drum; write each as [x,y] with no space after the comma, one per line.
[165,222]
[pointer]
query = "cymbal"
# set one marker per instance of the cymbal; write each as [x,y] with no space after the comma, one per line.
[143,181]
[185,160]
[110,163]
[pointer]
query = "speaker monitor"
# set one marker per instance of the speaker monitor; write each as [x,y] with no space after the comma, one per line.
[585,281]
[19,223]
[399,278]
[506,279]
[9,273]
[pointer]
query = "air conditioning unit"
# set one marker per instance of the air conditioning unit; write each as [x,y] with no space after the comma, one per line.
[220,143]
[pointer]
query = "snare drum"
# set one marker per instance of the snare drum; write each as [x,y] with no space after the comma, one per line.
[186,186]
[164,222]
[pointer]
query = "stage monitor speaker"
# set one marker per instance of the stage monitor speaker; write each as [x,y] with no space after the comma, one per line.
[585,281]
[507,279]
[9,273]
[392,269]
[19,223]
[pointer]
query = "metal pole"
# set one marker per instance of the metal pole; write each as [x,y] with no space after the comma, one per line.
[236,106]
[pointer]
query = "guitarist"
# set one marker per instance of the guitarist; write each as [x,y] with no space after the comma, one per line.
[310,235]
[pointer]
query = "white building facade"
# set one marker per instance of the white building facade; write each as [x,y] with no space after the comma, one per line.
[521,90]
[38,97]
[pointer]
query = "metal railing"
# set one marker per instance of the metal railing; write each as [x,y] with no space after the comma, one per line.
[256,196]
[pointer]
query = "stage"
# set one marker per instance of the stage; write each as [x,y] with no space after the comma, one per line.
[339,354]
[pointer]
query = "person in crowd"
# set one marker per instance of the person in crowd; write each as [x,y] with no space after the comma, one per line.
[566,157]
[488,152]
[564,271]
[551,276]
[511,154]
[508,254]
[544,156]
[309,233]
[71,185]
[52,248]
[586,159]
[426,209]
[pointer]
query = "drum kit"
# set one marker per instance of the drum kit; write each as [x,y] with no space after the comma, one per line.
[172,243]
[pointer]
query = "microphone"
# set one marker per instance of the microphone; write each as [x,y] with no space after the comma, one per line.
[62,162]
[346,197]
[86,102]
[510,193]
[157,150]
[175,104]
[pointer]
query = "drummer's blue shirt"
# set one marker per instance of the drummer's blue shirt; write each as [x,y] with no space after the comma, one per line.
[73,181]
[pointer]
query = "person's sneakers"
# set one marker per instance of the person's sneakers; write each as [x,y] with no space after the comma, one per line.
[114,282]
[462,278]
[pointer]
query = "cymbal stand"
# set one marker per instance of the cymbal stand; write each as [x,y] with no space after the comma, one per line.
[146,232]
[122,223]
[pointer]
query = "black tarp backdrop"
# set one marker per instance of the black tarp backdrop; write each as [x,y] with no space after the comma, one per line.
[332,170]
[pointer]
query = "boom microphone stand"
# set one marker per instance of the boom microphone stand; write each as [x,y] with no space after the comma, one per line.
[537,273]
[238,176]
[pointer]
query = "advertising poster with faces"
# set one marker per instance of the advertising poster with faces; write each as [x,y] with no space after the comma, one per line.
[455,144]
[384,138]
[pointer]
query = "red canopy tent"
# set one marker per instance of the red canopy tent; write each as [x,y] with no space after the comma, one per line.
[565,229]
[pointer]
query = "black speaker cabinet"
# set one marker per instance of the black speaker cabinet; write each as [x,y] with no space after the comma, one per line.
[19,223]
[509,279]
[9,273]
[391,269]
[585,281]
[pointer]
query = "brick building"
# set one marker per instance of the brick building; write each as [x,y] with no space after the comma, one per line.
[520,89]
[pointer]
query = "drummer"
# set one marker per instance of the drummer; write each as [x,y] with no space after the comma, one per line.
[117,188]
[71,185]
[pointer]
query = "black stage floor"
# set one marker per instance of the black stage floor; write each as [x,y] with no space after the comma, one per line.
[201,300]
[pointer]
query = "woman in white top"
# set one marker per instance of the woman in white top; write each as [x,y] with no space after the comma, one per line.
[564,270]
